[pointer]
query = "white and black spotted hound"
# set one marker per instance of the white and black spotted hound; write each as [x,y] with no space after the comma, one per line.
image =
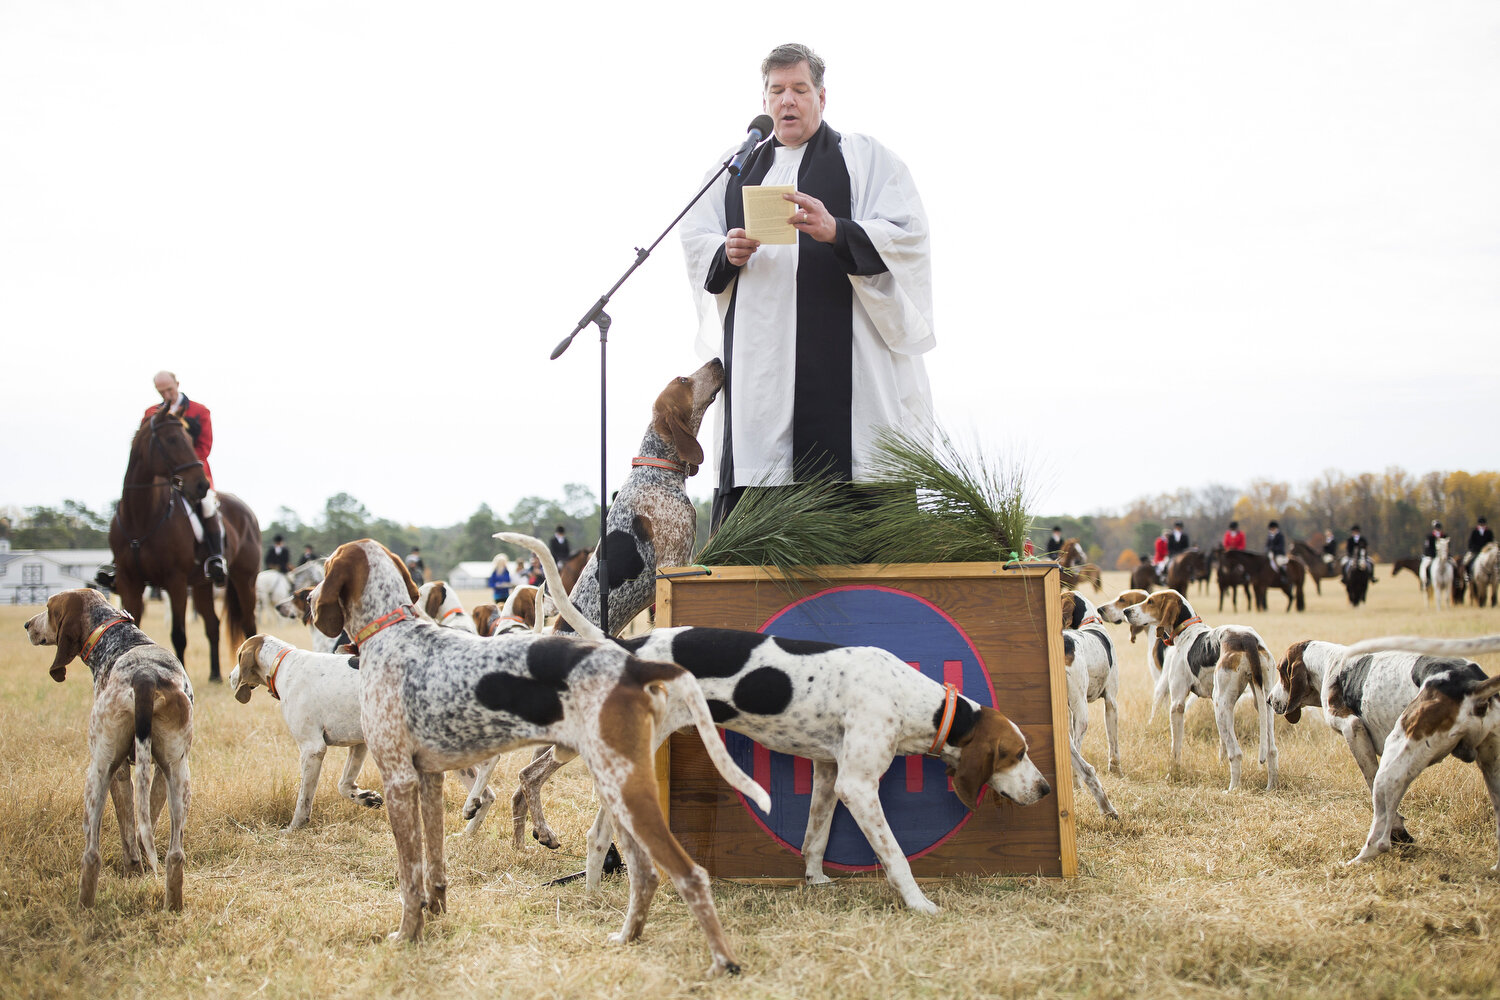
[434,699]
[1451,707]
[1210,662]
[652,522]
[849,709]
[142,714]
[1089,662]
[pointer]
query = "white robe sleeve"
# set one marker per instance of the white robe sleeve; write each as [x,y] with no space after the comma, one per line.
[888,208]
[703,230]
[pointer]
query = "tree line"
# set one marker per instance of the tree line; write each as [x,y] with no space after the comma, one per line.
[1393,509]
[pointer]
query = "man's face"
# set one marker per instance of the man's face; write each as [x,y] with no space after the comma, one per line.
[168,389]
[793,103]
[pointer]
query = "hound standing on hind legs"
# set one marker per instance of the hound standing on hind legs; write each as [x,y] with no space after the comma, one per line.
[142,714]
[1210,662]
[434,699]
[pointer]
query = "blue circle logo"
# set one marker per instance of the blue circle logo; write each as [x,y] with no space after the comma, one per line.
[915,792]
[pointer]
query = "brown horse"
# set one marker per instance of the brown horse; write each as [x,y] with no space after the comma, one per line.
[152,538]
[1185,567]
[572,568]
[1076,567]
[1318,567]
[1144,577]
[1262,576]
[1231,578]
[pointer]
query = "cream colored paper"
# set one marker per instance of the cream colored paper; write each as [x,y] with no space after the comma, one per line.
[768,214]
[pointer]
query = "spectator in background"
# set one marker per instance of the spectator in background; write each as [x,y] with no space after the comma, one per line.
[416,566]
[1276,549]
[308,555]
[1355,545]
[1162,553]
[1177,540]
[1330,547]
[559,547]
[1055,543]
[1478,539]
[278,556]
[1429,551]
[1234,538]
[534,574]
[499,580]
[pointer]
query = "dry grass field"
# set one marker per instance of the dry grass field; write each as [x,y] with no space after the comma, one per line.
[1196,892]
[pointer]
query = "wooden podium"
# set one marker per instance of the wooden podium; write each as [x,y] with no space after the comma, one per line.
[993,628]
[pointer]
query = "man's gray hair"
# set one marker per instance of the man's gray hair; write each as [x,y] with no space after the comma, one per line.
[790,55]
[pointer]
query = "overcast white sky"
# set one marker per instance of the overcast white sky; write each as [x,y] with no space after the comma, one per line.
[356,230]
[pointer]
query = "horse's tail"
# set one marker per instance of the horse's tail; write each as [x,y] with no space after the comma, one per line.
[145,697]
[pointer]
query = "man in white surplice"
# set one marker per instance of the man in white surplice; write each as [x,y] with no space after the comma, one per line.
[821,339]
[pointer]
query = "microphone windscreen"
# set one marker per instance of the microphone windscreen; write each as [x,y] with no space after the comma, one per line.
[761,124]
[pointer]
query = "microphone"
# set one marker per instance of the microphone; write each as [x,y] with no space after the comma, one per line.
[759,129]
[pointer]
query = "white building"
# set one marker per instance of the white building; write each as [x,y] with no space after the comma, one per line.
[30,576]
[470,576]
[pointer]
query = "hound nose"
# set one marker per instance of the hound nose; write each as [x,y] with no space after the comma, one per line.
[1046,788]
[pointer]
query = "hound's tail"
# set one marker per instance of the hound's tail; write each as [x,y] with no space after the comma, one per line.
[557,591]
[1477,646]
[145,698]
[686,688]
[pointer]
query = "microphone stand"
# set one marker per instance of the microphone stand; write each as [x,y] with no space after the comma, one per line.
[597,316]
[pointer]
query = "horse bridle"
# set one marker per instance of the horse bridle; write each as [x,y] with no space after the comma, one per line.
[155,446]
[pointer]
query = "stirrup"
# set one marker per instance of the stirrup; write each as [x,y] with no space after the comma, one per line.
[213,568]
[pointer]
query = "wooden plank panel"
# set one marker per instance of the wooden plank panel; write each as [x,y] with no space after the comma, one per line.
[1013,619]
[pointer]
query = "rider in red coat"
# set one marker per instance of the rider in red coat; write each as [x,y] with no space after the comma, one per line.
[1234,538]
[201,428]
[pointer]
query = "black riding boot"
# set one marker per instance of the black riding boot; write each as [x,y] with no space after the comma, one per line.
[213,541]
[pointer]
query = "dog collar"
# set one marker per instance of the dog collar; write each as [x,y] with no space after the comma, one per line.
[950,709]
[275,668]
[1195,620]
[92,641]
[449,614]
[681,468]
[499,624]
[404,613]
[1091,620]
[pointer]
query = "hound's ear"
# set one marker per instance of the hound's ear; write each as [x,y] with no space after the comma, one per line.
[411,588]
[327,611]
[242,694]
[483,616]
[1169,607]
[1067,609]
[435,598]
[67,621]
[1075,613]
[976,762]
[669,418]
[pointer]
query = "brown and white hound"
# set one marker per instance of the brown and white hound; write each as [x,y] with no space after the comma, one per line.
[1210,662]
[434,699]
[1456,711]
[142,714]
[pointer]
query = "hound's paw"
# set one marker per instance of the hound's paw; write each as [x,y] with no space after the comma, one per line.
[471,806]
[819,879]
[1401,836]
[722,968]
[1114,768]
[549,841]
[926,906]
[369,799]
[618,937]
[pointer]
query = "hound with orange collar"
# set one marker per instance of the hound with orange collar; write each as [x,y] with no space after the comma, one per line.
[1210,662]
[433,699]
[143,713]
[441,604]
[1093,675]
[849,709]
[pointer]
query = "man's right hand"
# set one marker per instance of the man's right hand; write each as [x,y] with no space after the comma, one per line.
[738,247]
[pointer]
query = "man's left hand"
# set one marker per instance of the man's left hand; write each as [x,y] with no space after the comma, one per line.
[812,218]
